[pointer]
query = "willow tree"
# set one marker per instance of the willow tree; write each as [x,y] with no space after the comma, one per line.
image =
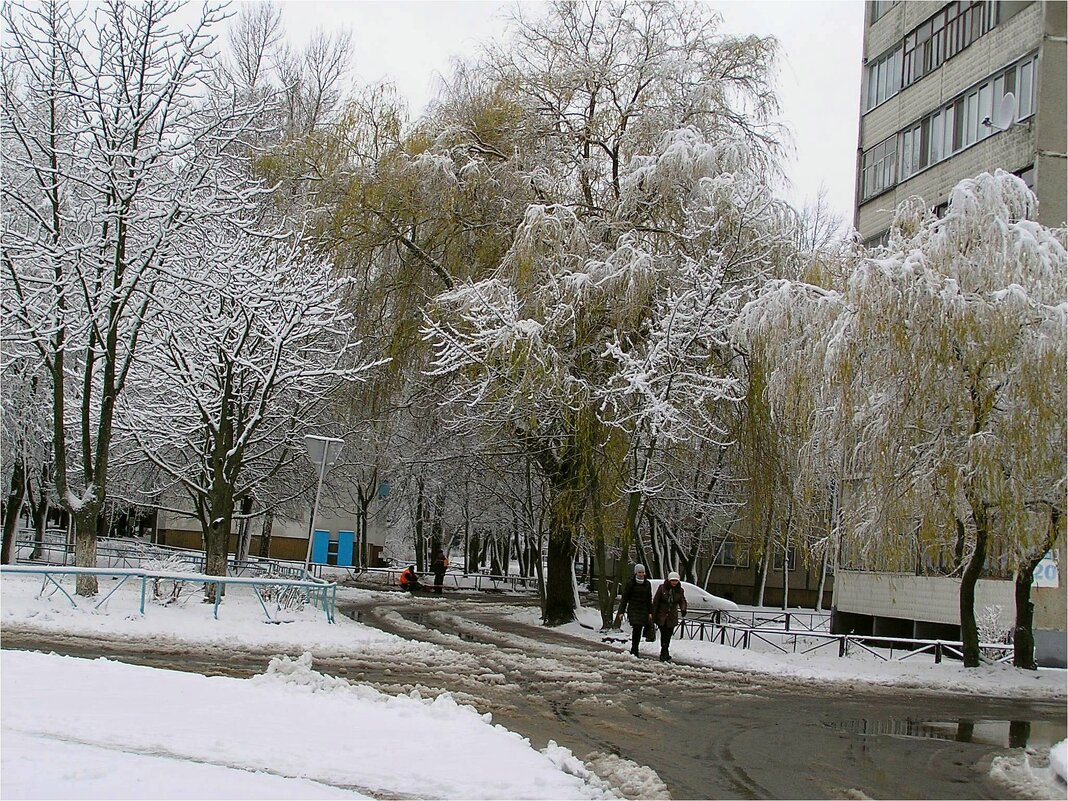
[788,454]
[647,139]
[947,356]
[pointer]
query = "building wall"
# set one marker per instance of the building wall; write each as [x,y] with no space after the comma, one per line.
[928,598]
[1025,28]
[1051,119]
[289,536]
[738,584]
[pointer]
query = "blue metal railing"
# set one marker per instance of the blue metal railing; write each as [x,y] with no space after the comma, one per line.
[320,594]
[125,553]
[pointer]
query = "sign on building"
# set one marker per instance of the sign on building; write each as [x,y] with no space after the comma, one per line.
[1045,574]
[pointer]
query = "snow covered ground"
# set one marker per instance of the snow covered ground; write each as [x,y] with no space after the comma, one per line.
[75,728]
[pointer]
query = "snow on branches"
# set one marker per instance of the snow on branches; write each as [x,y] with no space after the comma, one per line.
[945,356]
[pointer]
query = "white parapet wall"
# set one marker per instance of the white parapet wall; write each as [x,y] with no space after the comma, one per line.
[934,599]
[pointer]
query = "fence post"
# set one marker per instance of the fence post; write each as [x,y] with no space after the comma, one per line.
[938,652]
[787,621]
[842,646]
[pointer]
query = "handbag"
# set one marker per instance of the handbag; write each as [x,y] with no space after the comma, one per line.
[650,632]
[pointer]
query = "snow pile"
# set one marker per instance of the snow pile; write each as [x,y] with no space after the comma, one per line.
[1058,761]
[76,728]
[1026,773]
[631,779]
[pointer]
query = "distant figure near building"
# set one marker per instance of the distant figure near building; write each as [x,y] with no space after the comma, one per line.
[409,579]
[438,565]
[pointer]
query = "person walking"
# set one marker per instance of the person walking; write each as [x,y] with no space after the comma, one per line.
[637,604]
[669,604]
[438,565]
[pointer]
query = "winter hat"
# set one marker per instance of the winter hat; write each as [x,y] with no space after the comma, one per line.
[673,575]
[639,569]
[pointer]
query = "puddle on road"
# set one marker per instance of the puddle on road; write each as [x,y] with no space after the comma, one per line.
[1003,733]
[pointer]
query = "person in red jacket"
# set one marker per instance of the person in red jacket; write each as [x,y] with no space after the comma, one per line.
[409,579]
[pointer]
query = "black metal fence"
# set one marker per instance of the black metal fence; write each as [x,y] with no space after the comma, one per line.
[784,640]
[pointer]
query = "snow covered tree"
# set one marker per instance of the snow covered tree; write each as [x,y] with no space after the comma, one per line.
[248,351]
[946,354]
[649,143]
[111,154]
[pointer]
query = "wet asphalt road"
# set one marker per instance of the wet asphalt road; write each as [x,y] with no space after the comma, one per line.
[706,733]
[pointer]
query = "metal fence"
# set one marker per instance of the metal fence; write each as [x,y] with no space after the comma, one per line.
[136,554]
[280,593]
[782,640]
[456,579]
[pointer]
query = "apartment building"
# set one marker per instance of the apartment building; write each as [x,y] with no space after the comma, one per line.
[935,78]
[951,90]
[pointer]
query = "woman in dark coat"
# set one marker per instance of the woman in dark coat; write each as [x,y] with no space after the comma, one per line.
[637,603]
[668,605]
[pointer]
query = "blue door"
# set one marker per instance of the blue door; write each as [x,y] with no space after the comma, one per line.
[320,546]
[345,542]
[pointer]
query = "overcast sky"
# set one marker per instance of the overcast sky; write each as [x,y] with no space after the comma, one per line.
[412,42]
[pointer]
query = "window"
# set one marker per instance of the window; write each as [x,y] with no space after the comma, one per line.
[776,562]
[879,168]
[877,241]
[880,7]
[986,110]
[941,37]
[883,78]
[947,130]
[938,133]
[1025,99]
[731,556]
[1028,176]
[971,119]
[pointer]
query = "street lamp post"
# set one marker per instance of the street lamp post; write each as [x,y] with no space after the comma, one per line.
[323,452]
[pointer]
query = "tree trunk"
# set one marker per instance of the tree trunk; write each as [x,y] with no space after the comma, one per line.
[823,576]
[12,509]
[217,533]
[559,597]
[969,630]
[786,573]
[265,534]
[606,590]
[420,503]
[85,523]
[1023,640]
[473,549]
[244,530]
[760,578]
[565,512]
[39,507]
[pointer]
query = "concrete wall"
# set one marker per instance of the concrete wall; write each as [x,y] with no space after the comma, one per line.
[935,599]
